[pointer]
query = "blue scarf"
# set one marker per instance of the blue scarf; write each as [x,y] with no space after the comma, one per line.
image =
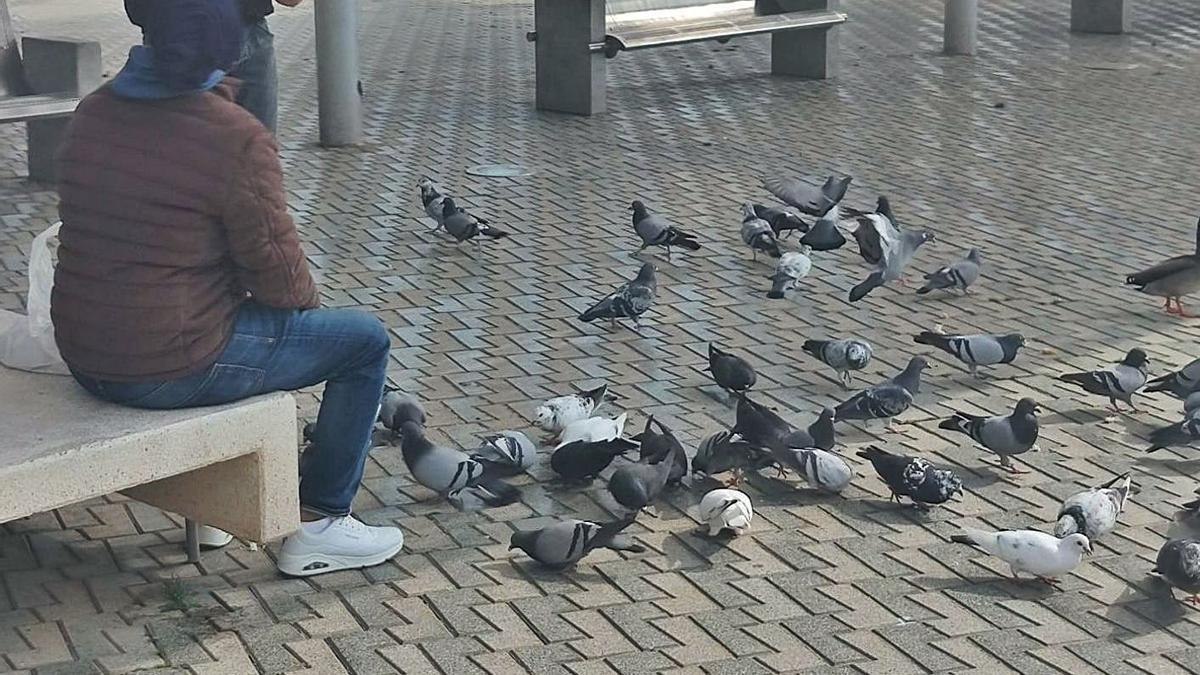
[138,78]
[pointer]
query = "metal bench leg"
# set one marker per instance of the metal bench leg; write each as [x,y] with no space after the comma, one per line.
[191,537]
[43,138]
[811,54]
[570,78]
[1101,16]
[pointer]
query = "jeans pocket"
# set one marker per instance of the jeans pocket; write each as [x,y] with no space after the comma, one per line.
[226,383]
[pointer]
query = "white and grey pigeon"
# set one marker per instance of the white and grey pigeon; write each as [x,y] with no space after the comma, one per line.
[875,232]
[808,197]
[844,355]
[560,411]
[1030,552]
[629,301]
[896,257]
[654,230]
[1118,383]
[757,233]
[1178,563]
[823,470]
[1094,512]
[566,542]
[1180,433]
[446,470]
[463,226]
[396,408]
[913,477]
[592,429]
[887,399]
[432,200]
[1003,435]
[959,274]
[506,450]
[725,509]
[1180,384]
[791,268]
[975,350]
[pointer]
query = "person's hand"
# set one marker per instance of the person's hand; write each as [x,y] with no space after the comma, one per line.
[289,3]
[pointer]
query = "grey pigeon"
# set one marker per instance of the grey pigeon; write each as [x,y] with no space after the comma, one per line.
[636,486]
[913,477]
[822,469]
[506,450]
[463,226]
[1189,512]
[782,223]
[757,233]
[896,257]
[1120,382]
[629,301]
[1004,435]
[656,446]
[1180,433]
[975,350]
[396,408]
[820,434]
[824,234]
[1094,512]
[809,198]
[843,355]
[432,200]
[727,451]
[760,426]
[567,541]
[1178,563]
[1180,384]
[1172,278]
[886,400]
[654,230]
[731,372]
[791,268]
[446,470]
[959,274]
[875,232]
[579,460]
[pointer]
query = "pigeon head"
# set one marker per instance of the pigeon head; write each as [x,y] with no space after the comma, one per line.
[412,435]
[639,210]
[1026,406]
[973,255]
[544,417]
[1136,358]
[449,208]
[425,183]
[748,211]
[522,539]
[927,236]
[882,205]
[646,274]
[857,355]
[1076,542]
[917,364]
[780,284]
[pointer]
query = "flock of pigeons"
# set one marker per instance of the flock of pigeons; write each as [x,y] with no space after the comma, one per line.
[585,444]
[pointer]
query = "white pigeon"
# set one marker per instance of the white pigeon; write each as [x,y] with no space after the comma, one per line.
[593,429]
[1044,556]
[726,509]
[791,268]
[555,414]
[1094,512]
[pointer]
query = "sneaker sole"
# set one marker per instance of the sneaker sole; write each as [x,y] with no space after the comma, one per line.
[318,563]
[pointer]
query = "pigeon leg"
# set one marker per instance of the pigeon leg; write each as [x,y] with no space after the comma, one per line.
[478,245]
[1051,582]
[668,251]
[1167,306]
[974,371]
[1193,599]
[650,511]
[1113,405]
[1181,313]
[845,377]
[887,426]
[754,254]
[1007,464]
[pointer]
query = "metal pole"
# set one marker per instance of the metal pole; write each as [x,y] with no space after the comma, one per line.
[960,30]
[339,103]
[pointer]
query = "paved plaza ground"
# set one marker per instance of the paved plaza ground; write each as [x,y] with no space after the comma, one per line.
[1069,160]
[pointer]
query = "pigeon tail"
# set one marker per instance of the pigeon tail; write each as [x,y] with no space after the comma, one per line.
[606,537]
[601,310]
[685,242]
[875,280]
[500,493]
[963,539]
[814,347]
[928,337]
[492,231]
[956,423]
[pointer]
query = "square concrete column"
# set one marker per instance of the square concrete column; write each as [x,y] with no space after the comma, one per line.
[55,66]
[810,54]
[570,77]
[960,27]
[1101,16]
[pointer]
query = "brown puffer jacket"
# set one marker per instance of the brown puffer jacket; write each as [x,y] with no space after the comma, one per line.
[173,213]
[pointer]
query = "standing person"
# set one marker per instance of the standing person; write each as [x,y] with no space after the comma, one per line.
[181,281]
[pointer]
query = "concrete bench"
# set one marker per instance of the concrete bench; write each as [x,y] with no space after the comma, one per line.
[575,37]
[961,21]
[232,467]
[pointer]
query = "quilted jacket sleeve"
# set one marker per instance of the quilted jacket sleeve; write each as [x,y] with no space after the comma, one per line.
[262,237]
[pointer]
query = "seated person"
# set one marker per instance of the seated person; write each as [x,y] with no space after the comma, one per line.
[181,281]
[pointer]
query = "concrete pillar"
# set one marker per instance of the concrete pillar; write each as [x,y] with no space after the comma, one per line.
[1101,16]
[339,98]
[961,27]
[810,54]
[570,77]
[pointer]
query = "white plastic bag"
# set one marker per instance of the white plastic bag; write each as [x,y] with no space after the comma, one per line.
[27,342]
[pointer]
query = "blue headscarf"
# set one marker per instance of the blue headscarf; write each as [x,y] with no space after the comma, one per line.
[189,46]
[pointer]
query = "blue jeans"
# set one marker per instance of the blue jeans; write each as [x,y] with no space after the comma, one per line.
[281,350]
[256,69]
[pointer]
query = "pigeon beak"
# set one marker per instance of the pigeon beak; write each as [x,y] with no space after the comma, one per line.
[1088,548]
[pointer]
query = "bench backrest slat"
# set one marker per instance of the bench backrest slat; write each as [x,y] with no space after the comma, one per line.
[681,9]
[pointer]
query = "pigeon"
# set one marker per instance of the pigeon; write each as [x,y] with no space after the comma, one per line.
[593,429]
[1180,384]
[566,542]
[482,495]
[807,197]
[464,226]
[560,411]
[636,486]
[782,223]
[759,426]
[1171,278]
[725,509]
[1044,556]
[895,257]
[1004,435]
[791,268]
[875,232]
[819,434]
[507,449]
[843,355]
[446,470]
[432,200]
[913,477]
[757,233]
[655,446]
[1189,512]
[824,234]
[654,230]
[731,372]
[886,400]
[975,350]
[629,301]
[727,451]
[396,408]
[1178,563]
[580,460]
[1094,512]
[1121,381]
[959,274]
[1181,433]
[822,469]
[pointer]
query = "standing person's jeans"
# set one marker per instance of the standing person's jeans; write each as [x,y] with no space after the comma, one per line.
[256,69]
[281,350]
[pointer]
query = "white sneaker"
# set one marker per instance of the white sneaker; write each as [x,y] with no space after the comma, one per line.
[334,544]
[211,537]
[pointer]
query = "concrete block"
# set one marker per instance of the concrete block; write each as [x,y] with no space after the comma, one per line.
[810,54]
[1101,16]
[570,77]
[54,65]
[960,30]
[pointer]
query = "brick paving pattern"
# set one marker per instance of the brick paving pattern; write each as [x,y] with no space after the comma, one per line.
[1069,160]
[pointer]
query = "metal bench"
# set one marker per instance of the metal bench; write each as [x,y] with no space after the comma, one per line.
[574,38]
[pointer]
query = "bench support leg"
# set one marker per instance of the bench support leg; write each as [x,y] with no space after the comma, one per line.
[43,138]
[1101,16]
[191,538]
[570,78]
[960,29]
[808,54]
